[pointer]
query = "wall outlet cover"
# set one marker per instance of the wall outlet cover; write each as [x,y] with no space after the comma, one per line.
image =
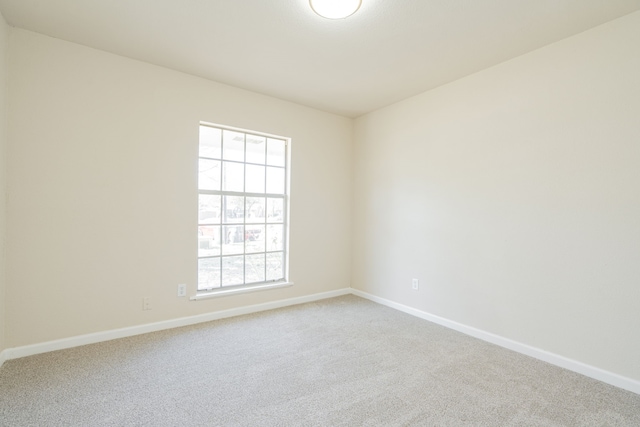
[182,290]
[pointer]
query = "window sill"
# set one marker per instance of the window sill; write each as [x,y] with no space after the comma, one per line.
[236,291]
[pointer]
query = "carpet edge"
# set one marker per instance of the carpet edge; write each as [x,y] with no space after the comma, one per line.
[96,337]
[590,371]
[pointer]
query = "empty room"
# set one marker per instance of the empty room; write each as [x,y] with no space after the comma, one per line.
[319,213]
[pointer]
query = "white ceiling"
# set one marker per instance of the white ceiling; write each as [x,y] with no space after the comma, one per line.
[389,50]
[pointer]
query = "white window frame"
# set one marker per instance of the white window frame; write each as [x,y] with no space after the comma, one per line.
[223,290]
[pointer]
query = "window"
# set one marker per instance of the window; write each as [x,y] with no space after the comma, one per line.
[242,208]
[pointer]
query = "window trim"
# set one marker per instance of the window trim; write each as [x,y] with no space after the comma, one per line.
[239,289]
[254,286]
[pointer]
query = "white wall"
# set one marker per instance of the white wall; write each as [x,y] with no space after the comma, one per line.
[514,196]
[102,178]
[4,31]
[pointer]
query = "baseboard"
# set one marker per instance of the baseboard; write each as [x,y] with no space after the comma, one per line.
[30,350]
[3,357]
[555,359]
[561,361]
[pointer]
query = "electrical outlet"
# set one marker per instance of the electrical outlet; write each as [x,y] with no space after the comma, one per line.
[146,303]
[415,284]
[182,290]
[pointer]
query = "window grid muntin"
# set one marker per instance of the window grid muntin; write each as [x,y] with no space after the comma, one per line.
[266,196]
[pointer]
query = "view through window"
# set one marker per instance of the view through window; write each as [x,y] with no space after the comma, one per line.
[242,208]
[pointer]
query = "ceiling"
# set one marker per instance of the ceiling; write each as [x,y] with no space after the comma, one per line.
[387,51]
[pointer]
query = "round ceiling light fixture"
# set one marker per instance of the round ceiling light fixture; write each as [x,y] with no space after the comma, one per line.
[335,9]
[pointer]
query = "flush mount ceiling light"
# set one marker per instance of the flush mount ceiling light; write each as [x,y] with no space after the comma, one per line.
[335,9]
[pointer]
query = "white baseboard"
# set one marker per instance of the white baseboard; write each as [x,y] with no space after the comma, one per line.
[561,361]
[552,358]
[3,357]
[29,350]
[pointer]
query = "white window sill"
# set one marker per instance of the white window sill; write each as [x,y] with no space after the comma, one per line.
[242,290]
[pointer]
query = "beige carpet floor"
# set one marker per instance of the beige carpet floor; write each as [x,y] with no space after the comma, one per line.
[339,362]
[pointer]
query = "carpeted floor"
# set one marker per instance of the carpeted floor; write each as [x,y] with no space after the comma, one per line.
[339,362]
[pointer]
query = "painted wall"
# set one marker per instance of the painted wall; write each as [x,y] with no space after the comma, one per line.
[102,178]
[513,195]
[4,32]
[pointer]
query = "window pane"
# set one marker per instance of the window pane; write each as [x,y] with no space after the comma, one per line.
[254,238]
[275,208]
[256,146]
[274,238]
[255,210]
[233,177]
[233,209]
[254,268]
[233,147]
[255,179]
[208,240]
[240,238]
[275,180]
[209,174]
[233,239]
[275,266]
[233,270]
[275,152]
[208,209]
[210,142]
[208,273]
